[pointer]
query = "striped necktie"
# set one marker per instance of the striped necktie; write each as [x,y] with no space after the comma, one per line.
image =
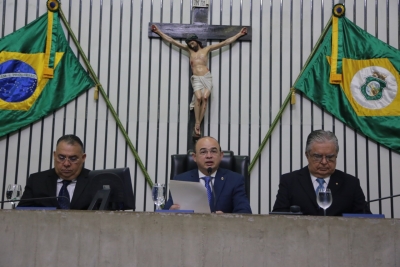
[321,185]
[64,199]
[207,185]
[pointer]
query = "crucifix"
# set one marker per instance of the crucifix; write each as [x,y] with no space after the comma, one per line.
[196,36]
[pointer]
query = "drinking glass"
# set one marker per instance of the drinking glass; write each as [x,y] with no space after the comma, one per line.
[324,198]
[158,194]
[13,192]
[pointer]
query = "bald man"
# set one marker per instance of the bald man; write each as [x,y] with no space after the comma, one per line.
[229,193]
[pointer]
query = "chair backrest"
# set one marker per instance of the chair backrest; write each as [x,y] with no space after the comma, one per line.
[181,163]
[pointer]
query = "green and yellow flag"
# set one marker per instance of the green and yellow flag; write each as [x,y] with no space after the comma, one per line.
[39,73]
[355,77]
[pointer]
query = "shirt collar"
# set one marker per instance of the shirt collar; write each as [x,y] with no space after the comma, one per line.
[313,179]
[201,175]
[59,180]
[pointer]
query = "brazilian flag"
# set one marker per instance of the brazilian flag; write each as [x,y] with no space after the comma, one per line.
[355,77]
[39,73]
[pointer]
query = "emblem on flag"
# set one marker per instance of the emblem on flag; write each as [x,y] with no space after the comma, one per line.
[374,87]
[17,81]
[355,76]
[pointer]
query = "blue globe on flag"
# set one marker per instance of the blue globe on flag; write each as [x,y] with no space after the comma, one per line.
[18,81]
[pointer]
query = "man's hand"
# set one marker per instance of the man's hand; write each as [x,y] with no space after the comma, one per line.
[244,31]
[154,28]
[175,207]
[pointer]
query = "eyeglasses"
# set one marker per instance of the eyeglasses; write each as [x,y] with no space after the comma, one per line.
[204,152]
[318,157]
[62,158]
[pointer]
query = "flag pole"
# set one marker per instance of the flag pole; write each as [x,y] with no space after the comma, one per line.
[106,99]
[280,112]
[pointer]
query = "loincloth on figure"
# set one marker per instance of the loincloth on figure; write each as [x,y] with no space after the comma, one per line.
[199,83]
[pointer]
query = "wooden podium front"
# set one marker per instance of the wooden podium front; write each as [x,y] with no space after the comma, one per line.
[97,238]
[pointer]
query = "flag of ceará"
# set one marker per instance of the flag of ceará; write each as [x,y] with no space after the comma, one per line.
[355,77]
[39,73]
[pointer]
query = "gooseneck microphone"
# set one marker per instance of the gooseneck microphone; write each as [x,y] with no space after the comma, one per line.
[382,198]
[378,199]
[209,171]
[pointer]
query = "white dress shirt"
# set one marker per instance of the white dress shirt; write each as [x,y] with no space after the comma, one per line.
[316,184]
[201,175]
[70,187]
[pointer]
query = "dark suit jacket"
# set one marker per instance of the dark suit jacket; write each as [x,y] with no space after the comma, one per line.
[230,195]
[44,184]
[296,188]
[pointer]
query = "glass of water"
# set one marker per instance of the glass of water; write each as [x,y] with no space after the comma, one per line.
[158,193]
[13,192]
[324,198]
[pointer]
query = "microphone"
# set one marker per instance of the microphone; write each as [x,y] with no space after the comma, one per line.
[209,171]
[295,209]
[366,206]
[382,198]
[29,199]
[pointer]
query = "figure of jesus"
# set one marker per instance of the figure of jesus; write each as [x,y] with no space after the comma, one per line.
[202,78]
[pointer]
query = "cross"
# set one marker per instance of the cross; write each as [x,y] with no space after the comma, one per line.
[204,32]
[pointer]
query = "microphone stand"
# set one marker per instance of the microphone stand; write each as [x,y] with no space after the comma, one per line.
[378,199]
[382,198]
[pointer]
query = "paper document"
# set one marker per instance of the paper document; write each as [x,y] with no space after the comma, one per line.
[190,196]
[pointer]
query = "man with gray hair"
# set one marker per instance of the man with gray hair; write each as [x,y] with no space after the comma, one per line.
[299,188]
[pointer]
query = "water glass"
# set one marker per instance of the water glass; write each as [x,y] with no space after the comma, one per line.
[324,198]
[14,192]
[158,193]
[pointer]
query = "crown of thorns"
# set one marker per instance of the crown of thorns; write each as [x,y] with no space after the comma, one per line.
[192,37]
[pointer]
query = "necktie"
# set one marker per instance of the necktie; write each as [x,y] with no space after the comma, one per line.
[64,200]
[321,184]
[207,185]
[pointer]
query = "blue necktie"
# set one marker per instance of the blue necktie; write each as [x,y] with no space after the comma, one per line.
[207,185]
[64,200]
[321,185]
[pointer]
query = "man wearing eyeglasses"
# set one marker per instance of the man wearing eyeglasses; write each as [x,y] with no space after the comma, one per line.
[299,188]
[67,180]
[227,193]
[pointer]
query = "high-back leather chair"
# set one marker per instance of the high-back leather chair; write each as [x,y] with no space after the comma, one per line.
[181,163]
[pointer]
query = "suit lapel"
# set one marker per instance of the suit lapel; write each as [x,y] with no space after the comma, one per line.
[335,182]
[51,186]
[219,182]
[305,181]
[81,183]
[194,175]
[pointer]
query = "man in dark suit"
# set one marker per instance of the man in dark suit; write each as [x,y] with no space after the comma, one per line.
[299,187]
[68,179]
[229,195]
